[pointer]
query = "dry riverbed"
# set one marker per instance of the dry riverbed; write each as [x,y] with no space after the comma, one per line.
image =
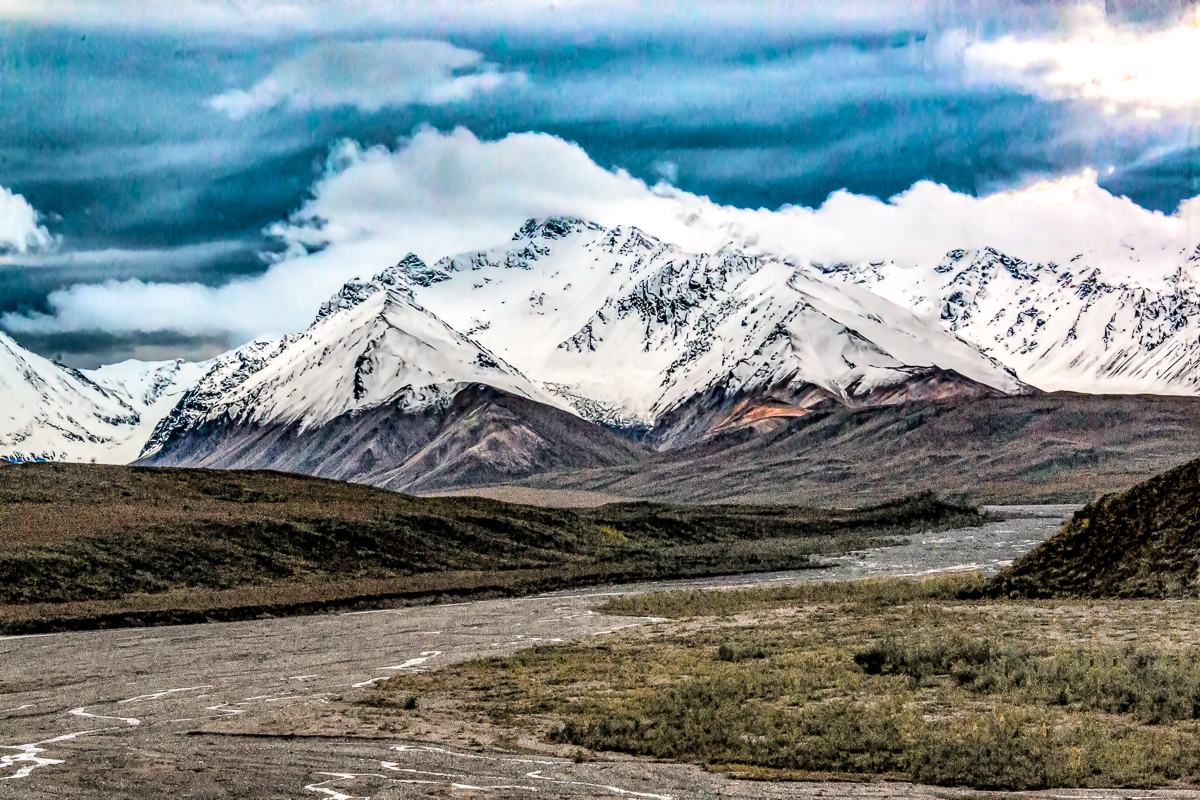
[297,707]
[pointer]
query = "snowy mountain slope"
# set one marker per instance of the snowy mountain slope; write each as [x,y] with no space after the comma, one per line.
[49,411]
[1100,328]
[104,415]
[150,384]
[381,349]
[224,374]
[152,388]
[378,390]
[371,346]
[624,326]
[619,328]
[785,327]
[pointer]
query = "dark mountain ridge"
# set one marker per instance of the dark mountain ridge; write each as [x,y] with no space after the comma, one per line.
[1051,447]
[483,436]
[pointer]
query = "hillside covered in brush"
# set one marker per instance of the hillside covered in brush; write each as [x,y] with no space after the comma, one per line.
[1144,542]
[80,532]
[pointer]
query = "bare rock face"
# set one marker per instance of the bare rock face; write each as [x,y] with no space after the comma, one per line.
[490,437]
[481,436]
[721,410]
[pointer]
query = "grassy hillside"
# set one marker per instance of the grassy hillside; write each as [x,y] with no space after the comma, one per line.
[73,533]
[1144,542]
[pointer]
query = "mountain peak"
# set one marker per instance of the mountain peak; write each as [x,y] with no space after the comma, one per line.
[986,262]
[381,348]
[411,269]
[351,294]
[554,228]
[628,239]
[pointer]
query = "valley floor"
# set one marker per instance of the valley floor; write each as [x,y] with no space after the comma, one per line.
[290,707]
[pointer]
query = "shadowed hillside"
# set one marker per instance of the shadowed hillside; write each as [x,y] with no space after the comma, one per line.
[1144,542]
[1040,448]
[89,533]
[484,436]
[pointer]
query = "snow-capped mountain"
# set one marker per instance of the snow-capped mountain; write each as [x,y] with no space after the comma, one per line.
[369,345]
[1098,328]
[614,325]
[379,348]
[224,374]
[379,390]
[48,411]
[624,326]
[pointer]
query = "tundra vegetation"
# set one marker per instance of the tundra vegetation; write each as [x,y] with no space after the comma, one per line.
[92,546]
[928,681]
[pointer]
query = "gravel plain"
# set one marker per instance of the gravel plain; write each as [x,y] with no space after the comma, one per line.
[264,709]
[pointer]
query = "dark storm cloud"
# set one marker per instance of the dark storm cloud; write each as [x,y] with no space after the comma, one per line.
[109,128]
[27,280]
[1156,181]
[91,349]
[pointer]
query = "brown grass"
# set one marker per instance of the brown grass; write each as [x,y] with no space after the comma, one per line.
[130,545]
[883,679]
[1143,542]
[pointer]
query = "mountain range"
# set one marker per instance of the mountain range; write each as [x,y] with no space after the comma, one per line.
[54,413]
[1112,328]
[578,350]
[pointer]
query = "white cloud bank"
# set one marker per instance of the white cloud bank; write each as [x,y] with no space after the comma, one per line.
[19,228]
[280,18]
[370,76]
[443,193]
[1144,70]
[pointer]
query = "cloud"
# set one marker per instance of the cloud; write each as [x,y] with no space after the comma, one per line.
[667,170]
[1146,70]
[186,308]
[19,228]
[370,76]
[442,193]
[186,256]
[91,349]
[279,18]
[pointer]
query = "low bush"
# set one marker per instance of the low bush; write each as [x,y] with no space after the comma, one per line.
[990,695]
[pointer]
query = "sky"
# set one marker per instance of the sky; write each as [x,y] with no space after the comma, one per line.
[178,178]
